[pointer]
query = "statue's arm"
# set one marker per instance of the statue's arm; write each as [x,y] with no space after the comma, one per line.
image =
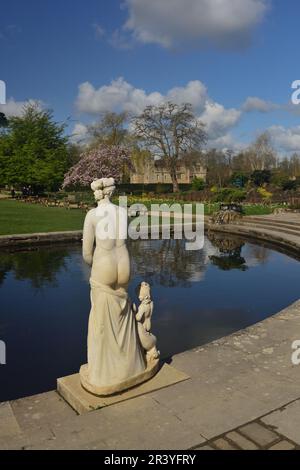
[140,313]
[88,239]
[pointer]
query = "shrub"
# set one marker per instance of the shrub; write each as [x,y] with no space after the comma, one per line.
[261,177]
[198,184]
[290,185]
[295,207]
[228,195]
[160,189]
[266,195]
[239,180]
[285,183]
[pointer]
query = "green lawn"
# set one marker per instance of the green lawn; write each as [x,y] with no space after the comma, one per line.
[18,217]
[258,209]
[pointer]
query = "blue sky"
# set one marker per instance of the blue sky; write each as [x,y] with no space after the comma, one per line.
[219,53]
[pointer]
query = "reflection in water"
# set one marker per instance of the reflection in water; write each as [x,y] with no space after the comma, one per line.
[39,265]
[198,296]
[230,250]
[166,262]
[258,255]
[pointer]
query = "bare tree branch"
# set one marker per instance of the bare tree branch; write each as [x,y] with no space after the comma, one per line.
[171,131]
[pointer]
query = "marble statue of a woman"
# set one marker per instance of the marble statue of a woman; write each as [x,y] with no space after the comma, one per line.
[116,358]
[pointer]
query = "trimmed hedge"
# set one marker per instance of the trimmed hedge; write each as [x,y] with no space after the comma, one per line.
[159,188]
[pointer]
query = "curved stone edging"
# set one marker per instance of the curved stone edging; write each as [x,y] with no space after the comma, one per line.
[279,241]
[7,241]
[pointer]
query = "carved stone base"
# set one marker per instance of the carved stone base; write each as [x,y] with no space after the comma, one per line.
[151,370]
[82,401]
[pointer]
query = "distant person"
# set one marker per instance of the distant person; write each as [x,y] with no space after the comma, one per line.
[13,193]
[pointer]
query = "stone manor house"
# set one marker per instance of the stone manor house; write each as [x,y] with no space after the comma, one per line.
[154,172]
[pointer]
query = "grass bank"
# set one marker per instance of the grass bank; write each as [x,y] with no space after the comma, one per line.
[19,217]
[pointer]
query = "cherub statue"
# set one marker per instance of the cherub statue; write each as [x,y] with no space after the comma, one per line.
[143,317]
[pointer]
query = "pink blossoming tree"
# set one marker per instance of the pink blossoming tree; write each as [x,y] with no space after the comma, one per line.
[102,162]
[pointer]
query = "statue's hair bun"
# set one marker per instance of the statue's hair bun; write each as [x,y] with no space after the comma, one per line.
[102,183]
[103,187]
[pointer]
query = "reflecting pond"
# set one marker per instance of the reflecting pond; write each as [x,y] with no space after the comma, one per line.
[199,296]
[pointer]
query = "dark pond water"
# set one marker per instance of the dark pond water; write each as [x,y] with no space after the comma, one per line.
[199,296]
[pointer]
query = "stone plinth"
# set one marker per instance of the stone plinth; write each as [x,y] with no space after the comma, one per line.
[81,401]
[151,370]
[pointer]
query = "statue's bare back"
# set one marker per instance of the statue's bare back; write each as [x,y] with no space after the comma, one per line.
[110,258]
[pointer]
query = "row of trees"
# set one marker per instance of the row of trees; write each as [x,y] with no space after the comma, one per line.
[258,163]
[171,132]
[34,149]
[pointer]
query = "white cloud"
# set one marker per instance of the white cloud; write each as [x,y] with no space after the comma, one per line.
[169,23]
[226,142]
[286,139]
[257,104]
[120,95]
[79,134]
[16,108]
[218,119]
[194,92]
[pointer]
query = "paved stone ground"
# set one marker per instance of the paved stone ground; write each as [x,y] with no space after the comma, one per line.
[252,436]
[244,392]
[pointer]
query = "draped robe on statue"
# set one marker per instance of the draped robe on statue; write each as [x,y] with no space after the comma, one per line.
[114,352]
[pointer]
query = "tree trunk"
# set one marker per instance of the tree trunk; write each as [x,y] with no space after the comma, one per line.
[175,183]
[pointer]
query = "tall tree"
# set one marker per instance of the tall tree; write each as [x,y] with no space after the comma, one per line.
[139,159]
[110,130]
[294,169]
[218,165]
[261,154]
[33,151]
[102,162]
[74,154]
[170,131]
